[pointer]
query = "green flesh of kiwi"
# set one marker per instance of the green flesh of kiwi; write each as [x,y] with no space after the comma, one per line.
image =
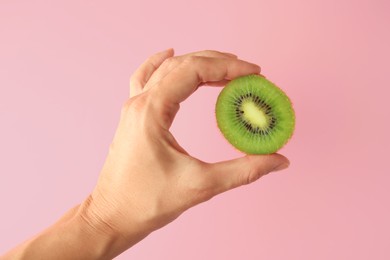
[254,115]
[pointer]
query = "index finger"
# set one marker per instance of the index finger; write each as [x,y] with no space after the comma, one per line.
[181,82]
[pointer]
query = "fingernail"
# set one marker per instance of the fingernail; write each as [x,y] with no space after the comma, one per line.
[281,167]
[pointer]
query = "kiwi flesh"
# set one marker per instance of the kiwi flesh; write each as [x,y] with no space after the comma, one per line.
[254,115]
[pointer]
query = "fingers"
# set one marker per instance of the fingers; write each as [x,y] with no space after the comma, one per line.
[169,65]
[182,81]
[234,173]
[210,53]
[145,71]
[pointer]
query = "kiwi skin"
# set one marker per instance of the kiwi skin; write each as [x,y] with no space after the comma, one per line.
[247,137]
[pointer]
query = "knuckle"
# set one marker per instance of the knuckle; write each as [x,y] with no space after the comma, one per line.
[209,52]
[191,60]
[133,81]
[204,191]
[245,178]
[126,106]
[201,194]
[170,60]
[248,175]
[169,63]
[151,58]
[134,105]
[136,83]
[199,187]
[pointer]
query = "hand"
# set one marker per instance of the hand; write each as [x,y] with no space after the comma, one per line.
[148,179]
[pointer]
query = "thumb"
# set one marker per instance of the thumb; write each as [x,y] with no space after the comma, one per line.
[237,172]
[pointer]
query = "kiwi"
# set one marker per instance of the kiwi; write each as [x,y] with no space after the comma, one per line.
[254,115]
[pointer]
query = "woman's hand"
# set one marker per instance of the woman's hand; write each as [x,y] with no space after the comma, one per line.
[148,179]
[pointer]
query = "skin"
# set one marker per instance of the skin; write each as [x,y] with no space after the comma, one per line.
[148,179]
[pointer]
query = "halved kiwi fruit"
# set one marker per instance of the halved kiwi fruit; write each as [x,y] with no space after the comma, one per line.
[254,115]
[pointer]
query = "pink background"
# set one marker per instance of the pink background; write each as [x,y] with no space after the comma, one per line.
[64,69]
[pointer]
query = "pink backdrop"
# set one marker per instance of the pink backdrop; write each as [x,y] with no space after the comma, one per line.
[64,69]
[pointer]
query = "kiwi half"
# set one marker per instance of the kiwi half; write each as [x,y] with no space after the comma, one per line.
[254,115]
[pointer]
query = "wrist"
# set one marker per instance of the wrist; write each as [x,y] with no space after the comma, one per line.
[73,237]
[97,219]
[101,243]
